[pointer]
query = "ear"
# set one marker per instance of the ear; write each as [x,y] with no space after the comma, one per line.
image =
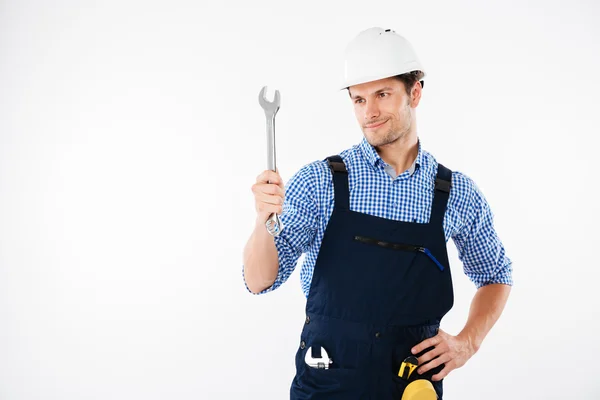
[415,95]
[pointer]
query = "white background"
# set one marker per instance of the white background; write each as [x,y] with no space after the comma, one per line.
[130,136]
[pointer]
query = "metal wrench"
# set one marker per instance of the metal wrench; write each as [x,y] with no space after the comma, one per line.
[274,225]
[321,361]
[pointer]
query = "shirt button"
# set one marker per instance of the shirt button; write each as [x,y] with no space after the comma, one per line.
[307,319]
[302,345]
[377,334]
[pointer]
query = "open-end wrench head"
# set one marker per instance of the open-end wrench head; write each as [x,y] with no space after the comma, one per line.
[270,107]
[323,362]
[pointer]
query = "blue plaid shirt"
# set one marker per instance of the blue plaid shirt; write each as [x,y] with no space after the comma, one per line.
[376,190]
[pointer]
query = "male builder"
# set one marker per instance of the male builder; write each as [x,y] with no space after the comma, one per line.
[374,221]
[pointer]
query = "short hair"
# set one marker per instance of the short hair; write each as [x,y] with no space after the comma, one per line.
[410,78]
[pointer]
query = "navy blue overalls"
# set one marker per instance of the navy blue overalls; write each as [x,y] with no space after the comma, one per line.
[379,287]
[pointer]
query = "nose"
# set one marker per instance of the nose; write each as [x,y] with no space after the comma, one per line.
[371,111]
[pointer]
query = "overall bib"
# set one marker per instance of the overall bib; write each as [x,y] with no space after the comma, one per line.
[379,287]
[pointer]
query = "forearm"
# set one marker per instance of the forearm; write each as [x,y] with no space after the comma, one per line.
[486,307]
[261,262]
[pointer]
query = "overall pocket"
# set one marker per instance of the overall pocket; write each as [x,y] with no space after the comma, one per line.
[329,384]
[399,246]
[397,387]
[346,377]
[410,337]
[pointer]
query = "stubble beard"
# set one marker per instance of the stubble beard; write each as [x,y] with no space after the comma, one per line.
[393,134]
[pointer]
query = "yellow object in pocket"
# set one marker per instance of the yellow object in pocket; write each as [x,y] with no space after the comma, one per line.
[421,389]
[408,366]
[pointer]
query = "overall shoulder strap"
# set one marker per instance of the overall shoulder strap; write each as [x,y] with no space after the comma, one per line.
[443,184]
[340,181]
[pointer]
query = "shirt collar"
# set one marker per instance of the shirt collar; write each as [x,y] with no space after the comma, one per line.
[374,159]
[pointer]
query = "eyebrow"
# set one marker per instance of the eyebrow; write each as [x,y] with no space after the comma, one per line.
[385,89]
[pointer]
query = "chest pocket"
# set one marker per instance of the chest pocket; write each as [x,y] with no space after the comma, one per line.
[399,246]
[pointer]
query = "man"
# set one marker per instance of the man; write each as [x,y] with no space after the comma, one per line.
[374,221]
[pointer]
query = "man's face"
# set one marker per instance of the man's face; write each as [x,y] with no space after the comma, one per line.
[384,110]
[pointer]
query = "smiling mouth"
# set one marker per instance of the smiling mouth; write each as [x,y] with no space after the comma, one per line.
[376,125]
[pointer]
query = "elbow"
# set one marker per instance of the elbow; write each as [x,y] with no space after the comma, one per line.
[255,286]
[252,287]
[250,283]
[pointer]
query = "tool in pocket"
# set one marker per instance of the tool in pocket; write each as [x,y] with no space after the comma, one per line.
[317,357]
[419,389]
[274,225]
[409,364]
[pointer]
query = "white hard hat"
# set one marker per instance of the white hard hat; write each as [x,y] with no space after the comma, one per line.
[377,53]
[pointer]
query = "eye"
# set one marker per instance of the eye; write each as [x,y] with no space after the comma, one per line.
[357,101]
[382,93]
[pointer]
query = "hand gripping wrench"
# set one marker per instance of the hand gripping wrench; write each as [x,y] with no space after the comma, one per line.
[274,225]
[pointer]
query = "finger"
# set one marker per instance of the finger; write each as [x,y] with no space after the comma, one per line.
[431,354]
[269,208]
[269,176]
[444,372]
[269,199]
[436,362]
[433,341]
[272,189]
[267,188]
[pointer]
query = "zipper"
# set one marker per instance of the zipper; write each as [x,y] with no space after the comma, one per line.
[400,246]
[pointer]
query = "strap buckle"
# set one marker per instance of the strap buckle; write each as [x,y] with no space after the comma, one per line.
[443,185]
[337,166]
